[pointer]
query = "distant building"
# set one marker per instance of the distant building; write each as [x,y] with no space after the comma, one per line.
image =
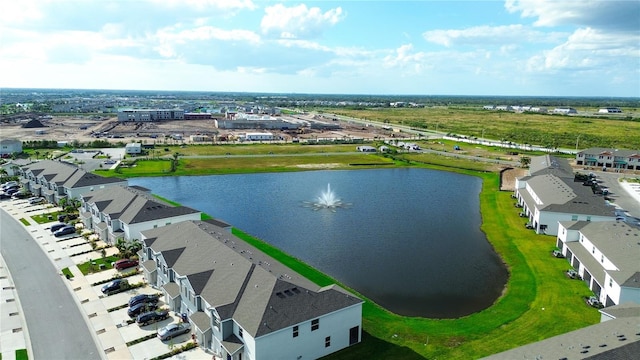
[199,138]
[147,115]
[609,158]
[133,149]
[197,116]
[565,111]
[610,110]
[257,136]
[10,146]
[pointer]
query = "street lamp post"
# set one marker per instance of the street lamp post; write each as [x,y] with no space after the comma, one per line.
[577,140]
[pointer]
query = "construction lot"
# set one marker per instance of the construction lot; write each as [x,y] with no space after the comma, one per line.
[86,128]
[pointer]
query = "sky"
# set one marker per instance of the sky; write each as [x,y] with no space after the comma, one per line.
[509,48]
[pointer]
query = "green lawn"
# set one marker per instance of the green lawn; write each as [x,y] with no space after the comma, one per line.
[47,218]
[66,272]
[25,222]
[92,266]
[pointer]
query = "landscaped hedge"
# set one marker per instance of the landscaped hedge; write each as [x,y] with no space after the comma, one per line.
[177,350]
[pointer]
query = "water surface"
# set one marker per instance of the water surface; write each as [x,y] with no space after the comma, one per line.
[410,239]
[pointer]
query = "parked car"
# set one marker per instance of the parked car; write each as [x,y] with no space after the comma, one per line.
[140,308]
[114,286]
[149,298]
[21,195]
[9,184]
[593,301]
[67,217]
[152,316]
[36,200]
[173,330]
[12,190]
[65,230]
[573,274]
[4,196]
[557,253]
[125,264]
[56,227]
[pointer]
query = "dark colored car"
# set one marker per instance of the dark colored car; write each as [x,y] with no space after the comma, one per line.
[4,195]
[67,217]
[125,263]
[140,308]
[173,330]
[114,286]
[12,190]
[152,316]
[65,230]
[21,195]
[56,227]
[142,298]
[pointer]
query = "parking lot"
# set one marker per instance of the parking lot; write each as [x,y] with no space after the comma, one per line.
[107,316]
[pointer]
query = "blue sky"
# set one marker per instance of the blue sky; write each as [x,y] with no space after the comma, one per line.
[511,47]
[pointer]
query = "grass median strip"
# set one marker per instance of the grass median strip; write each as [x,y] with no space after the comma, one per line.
[144,338]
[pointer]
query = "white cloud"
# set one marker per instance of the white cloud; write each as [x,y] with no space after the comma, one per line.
[587,49]
[207,4]
[620,15]
[484,35]
[19,12]
[298,22]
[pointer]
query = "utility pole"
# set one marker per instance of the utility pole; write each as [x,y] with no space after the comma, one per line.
[577,139]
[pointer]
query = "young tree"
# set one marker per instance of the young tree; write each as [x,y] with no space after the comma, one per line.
[525,161]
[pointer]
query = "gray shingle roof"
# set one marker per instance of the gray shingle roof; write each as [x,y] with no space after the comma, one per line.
[132,206]
[601,341]
[240,281]
[67,175]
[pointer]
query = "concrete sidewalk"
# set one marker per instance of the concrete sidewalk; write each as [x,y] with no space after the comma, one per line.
[14,334]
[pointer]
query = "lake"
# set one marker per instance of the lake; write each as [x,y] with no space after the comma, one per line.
[409,239]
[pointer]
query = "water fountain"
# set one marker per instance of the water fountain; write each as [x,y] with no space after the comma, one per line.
[327,200]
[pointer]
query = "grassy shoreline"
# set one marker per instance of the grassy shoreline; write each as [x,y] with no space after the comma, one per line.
[538,301]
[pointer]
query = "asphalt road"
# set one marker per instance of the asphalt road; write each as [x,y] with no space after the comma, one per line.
[57,329]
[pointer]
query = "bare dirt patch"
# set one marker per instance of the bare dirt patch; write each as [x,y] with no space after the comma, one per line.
[509,177]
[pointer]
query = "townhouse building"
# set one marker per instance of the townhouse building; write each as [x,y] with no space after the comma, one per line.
[243,304]
[550,193]
[607,257]
[124,212]
[609,158]
[56,180]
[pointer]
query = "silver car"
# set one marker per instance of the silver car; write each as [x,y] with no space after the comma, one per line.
[173,330]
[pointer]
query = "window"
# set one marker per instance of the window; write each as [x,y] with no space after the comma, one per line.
[601,258]
[315,324]
[610,282]
[593,249]
[240,332]
[327,341]
[574,217]
[295,331]
[588,218]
